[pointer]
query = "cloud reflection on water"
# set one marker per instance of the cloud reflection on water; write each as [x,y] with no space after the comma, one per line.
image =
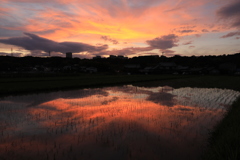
[113,122]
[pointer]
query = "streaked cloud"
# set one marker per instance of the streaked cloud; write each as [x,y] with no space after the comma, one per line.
[15,54]
[231,34]
[126,26]
[130,51]
[191,47]
[106,38]
[205,30]
[186,31]
[40,46]
[187,43]
[231,12]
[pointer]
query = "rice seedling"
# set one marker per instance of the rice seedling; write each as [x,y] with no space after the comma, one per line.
[111,123]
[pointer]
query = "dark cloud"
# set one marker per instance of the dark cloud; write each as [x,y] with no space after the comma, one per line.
[187,31]
[148,53]
[215,30]
[162,98]
[187,27]
[4,54]
[187,43]
[39,46]
[39,53]
[168,53]
[125,51]
[6,33]
[231,12]
[231,34]
[48,31]
[164,42]
[106,38]
[205,30]
[33,42]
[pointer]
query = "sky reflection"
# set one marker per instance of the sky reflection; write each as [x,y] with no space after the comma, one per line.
[114,122]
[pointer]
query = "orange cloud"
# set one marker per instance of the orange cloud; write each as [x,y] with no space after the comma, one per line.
[133,21]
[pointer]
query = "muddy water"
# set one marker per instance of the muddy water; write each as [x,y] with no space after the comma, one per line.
[124,122]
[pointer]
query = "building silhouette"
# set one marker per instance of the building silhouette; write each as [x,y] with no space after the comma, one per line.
[69,55]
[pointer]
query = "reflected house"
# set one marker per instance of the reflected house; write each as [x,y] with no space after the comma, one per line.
[69,55]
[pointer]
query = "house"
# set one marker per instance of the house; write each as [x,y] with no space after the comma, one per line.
[213,70]
[132,68]
[197,70]
[146,70]
[165,67]
[67,68]
[237,72]
[182,69]
[91,69]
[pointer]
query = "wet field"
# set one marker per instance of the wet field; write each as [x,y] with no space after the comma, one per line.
[122,122]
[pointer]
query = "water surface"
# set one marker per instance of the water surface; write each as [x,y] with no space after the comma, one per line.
[124,122]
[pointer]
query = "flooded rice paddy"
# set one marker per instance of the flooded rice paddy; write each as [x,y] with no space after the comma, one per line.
[123,122]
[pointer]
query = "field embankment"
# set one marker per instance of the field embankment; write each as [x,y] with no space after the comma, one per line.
[9,86]
[224,143]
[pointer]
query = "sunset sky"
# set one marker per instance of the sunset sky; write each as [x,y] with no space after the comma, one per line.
[130,28]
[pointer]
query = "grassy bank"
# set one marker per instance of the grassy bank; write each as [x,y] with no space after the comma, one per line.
[225,139]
